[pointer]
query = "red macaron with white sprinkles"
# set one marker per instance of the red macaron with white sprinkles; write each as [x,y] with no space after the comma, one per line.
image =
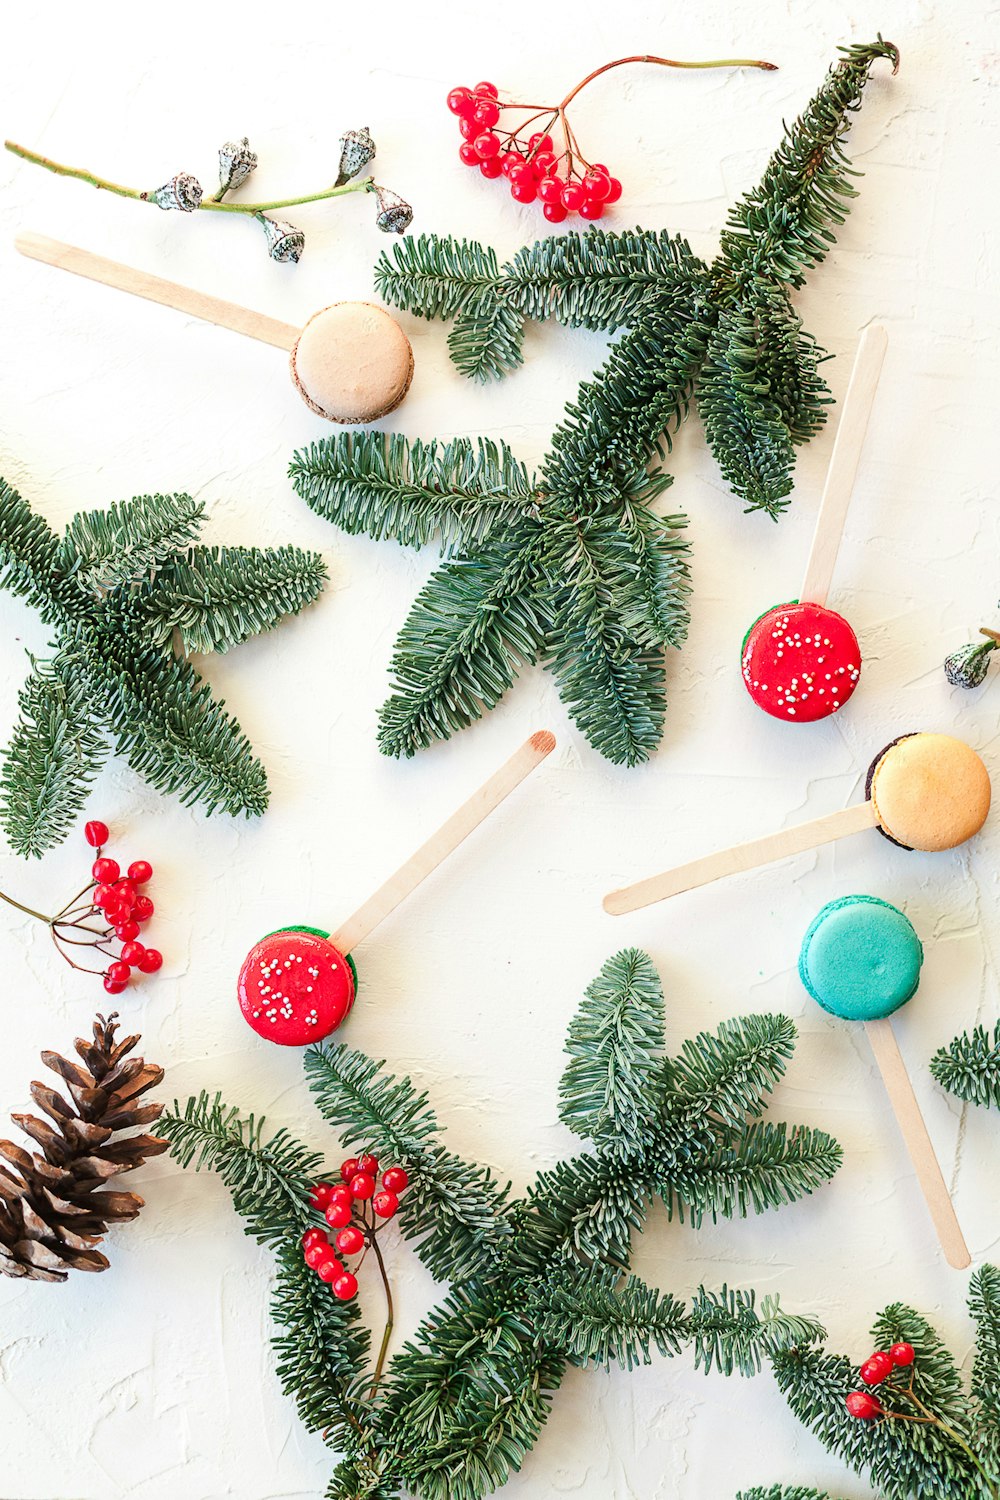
[801,662]
[295,987]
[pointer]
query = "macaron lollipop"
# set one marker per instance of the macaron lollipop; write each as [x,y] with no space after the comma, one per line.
[351,363]
[924,791]
[298,984]
[860,960]
[801,661]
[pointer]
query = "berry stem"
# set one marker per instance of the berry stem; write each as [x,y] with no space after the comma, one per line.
[361,185]
[29,910]
[384,1347]
[949,1431]
[669,62]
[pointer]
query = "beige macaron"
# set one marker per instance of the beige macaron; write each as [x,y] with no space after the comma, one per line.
[929,791]
[352,363]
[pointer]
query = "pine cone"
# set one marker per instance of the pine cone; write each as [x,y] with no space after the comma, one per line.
[52,1210]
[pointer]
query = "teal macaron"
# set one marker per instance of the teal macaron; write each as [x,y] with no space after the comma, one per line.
[860,958]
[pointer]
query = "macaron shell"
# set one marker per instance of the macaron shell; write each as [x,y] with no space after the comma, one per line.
[295,987]
[861,958]
[930,791]
[801,662]
[352,362]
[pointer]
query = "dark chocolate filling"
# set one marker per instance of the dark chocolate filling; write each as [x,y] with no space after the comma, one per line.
[871,777]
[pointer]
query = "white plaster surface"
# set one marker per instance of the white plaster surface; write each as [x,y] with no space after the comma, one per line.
[155,1380]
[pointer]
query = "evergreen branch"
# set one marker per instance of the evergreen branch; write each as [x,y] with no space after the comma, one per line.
[762,1166]
[473,625]
[729,1073]
[731,1333]
[936,1377]
[28,553]
[789,361]
[783,1492]
[600,279]
[610,1084]
[657,613]
[124,544]
[435,276]
[984,1305]
[216,597]
[52,759]
[785,226]
[596,1322]
[383,486]
[485,341]
[171,730]
[969,1067]
[583,1209]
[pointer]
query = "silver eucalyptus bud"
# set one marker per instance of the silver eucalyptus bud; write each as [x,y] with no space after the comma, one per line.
[236,162]
[394,214]
[357,149]
[284,241]
[183,192]
[967,667]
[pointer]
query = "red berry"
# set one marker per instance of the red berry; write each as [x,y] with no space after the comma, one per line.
[550,189]
[345,1287]
[315,1255]
[540,142]
[151,960]
[591,208]
[116,910]
[140,870]
[487,88]
[572,196]
[385,1204]
[330,1269]
[467,127]
[486,113]
[133,954]
[487,144]
[349,1168]
[362,1185]
[103,894]
[468,154]
[96,834]
[341,1194]
[860,1404]
[876,1368]
[554,212]
[350,1241]
[460,101]
[395,1179]
[338,1214]
[544,162]
[113,986]
[142,908]
[126,890]
[614,191]
[523,190]
[119,973]
[315,1236]
[320,1195]
[127,931]
[902,1354]
[597,187]
[369,1164]
[105,870]
[490,168]
[509,160]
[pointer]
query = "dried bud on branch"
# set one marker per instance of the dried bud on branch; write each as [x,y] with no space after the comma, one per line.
[284,241]
[357,149]
[236,162]
[183,192]
[394,214]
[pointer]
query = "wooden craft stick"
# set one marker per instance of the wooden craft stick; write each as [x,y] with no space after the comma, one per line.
[763,851]
[441,844]
[844,465]
[918,1142]
[168,293]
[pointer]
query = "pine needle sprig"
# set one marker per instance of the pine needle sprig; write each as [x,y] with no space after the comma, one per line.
[733,1334]
[573,566]
[969,1067]
[120,587]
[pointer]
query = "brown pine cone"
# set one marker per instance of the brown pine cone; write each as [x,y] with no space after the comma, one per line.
[53,1212]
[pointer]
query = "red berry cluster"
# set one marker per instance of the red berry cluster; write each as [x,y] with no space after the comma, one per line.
[353,1207]
[564,182]
[876,1369]
[117,901]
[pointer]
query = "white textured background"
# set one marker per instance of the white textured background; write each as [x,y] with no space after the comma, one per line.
[155,1380]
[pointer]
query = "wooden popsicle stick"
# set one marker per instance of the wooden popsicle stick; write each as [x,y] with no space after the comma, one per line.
[168,293]
[763,851]
[844,465]
[441,844]
[918,1142]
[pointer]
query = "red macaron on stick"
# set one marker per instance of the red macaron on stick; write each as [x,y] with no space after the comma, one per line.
[298,984]
[801,660]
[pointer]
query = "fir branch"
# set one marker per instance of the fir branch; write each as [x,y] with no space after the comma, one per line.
[122,545]
[752,1169]
[28,553]
[610,1084]
[729,1072]
[732,1333]
[52,759]
[657,613]
[383,486]
[599,1323]
[583,1209]
[435,276]
[217,597]
[984,1305]
[969,1067]
[474,624]
[485,341]
[783,1492]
